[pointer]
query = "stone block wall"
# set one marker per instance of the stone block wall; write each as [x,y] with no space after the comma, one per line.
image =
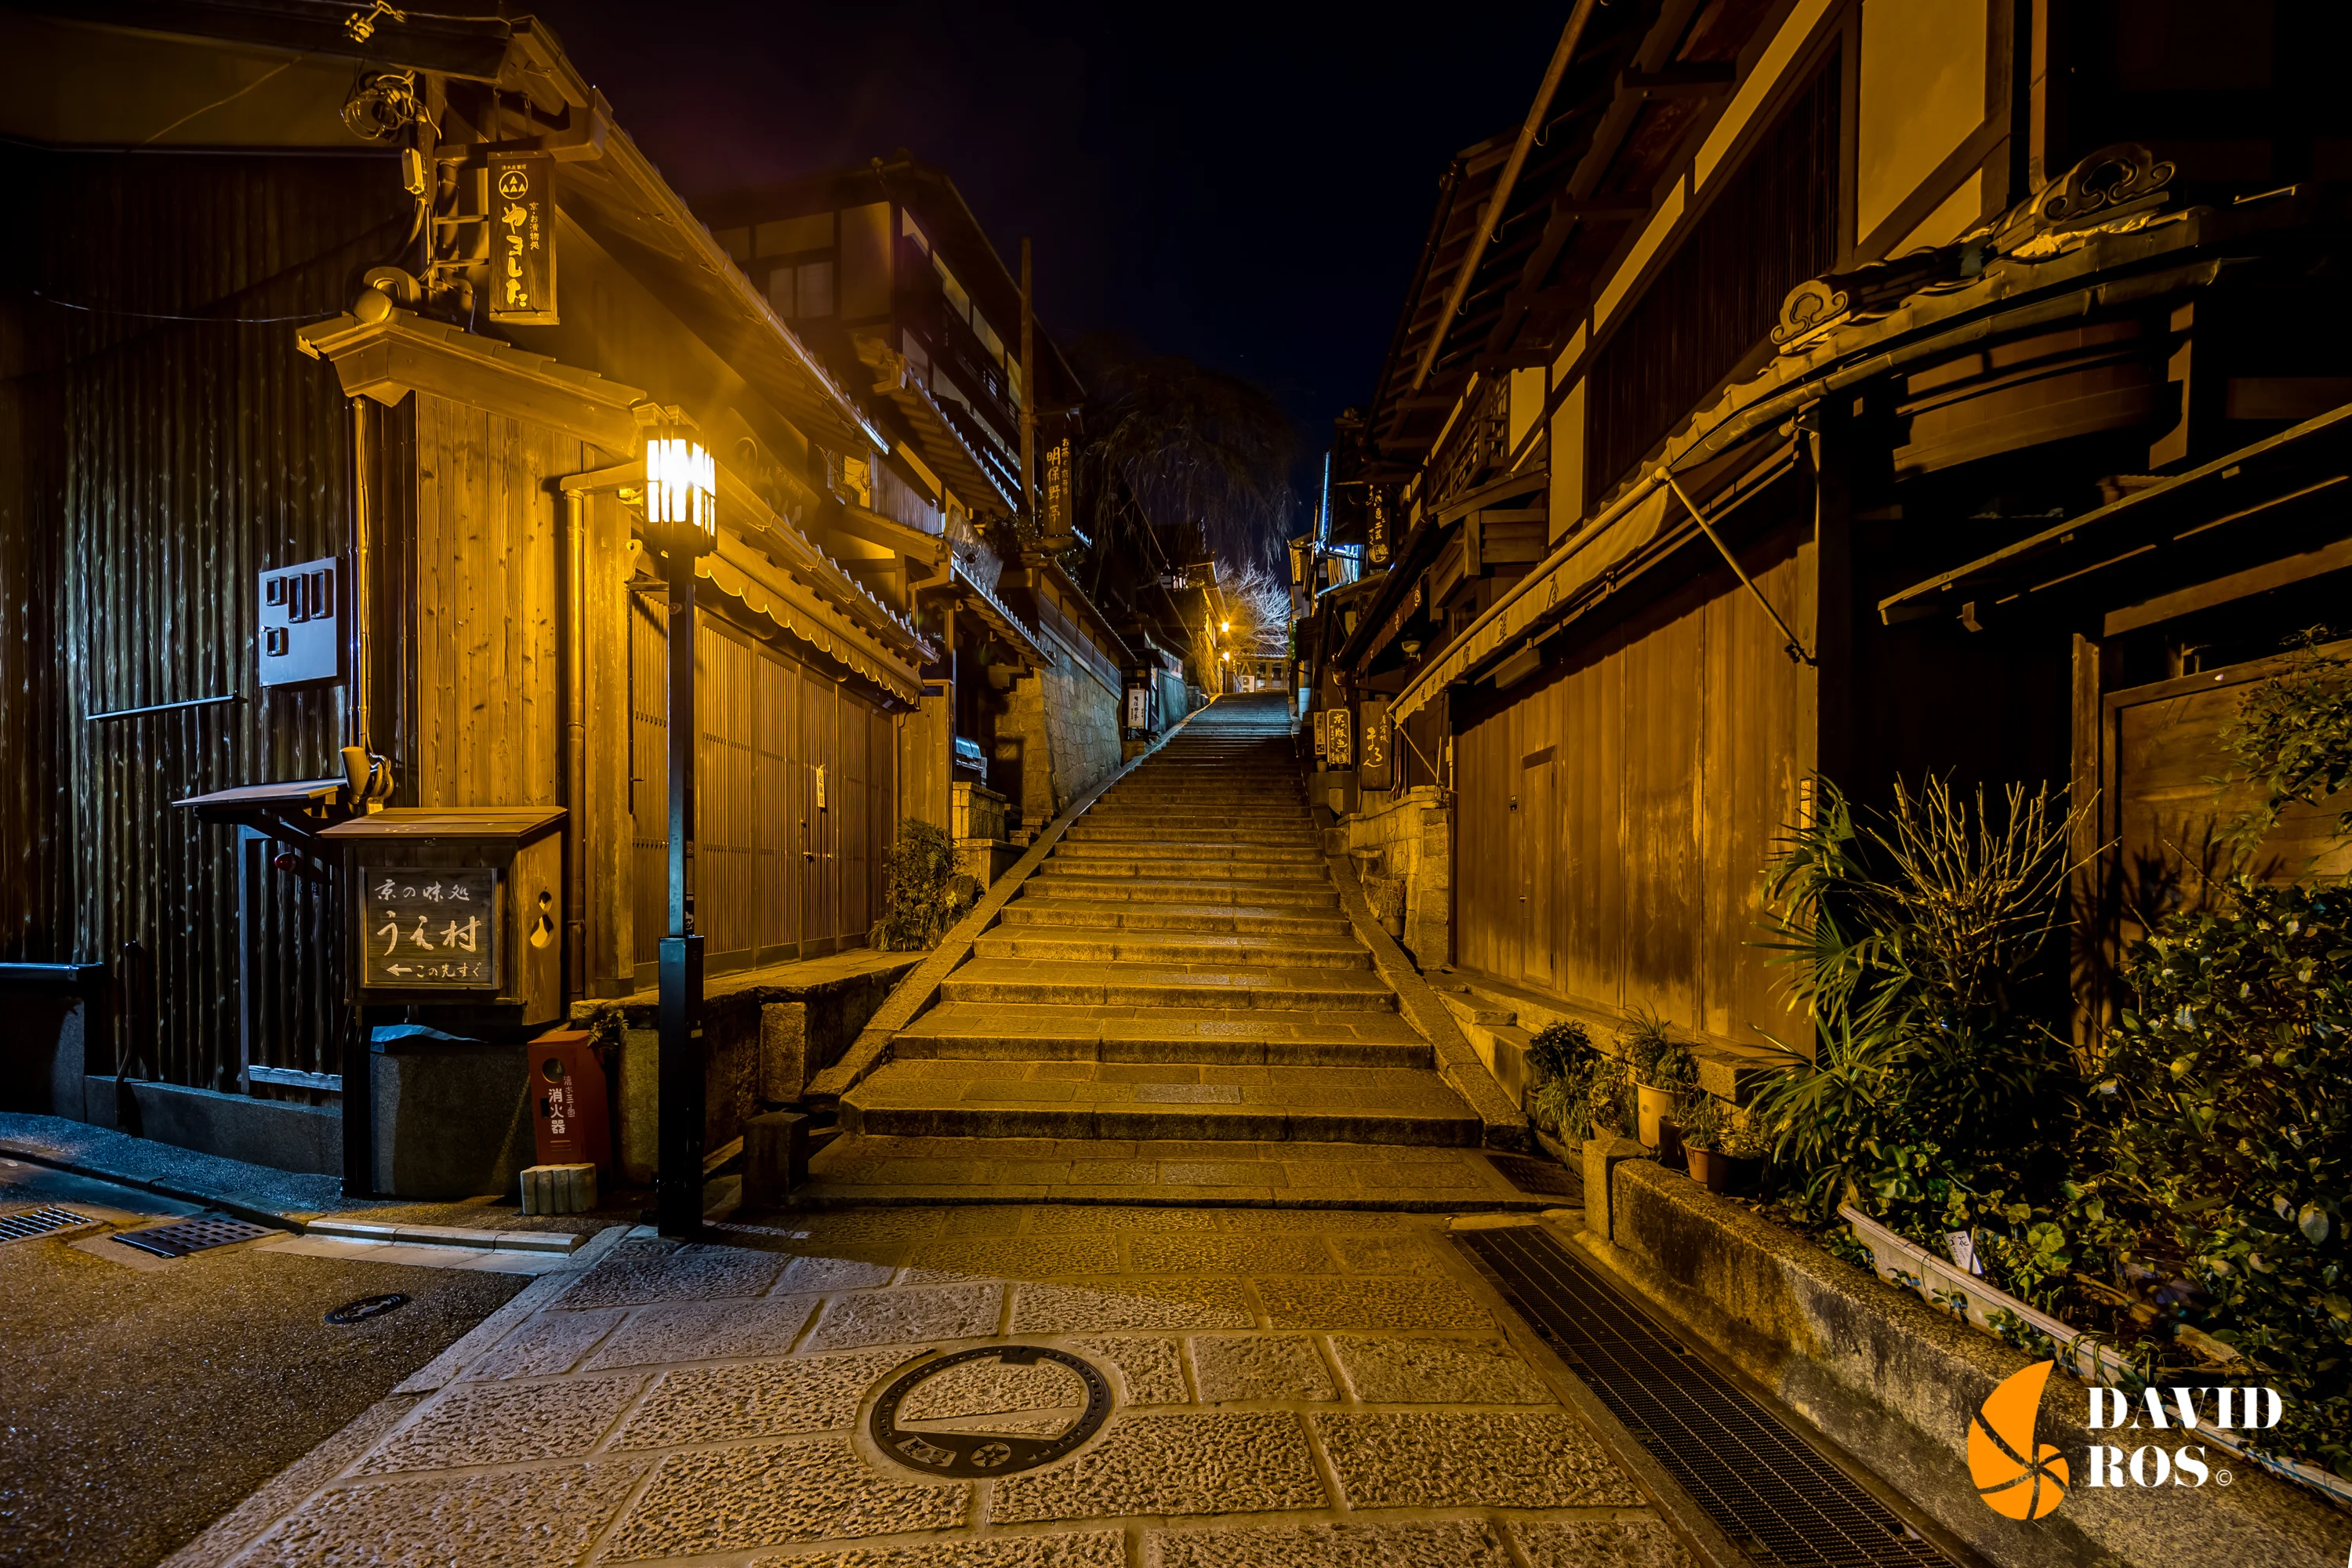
[1412,836]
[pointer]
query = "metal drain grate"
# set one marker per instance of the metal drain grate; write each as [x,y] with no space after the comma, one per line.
[1542,1178]
[179,1239]
[1776,1498]
[26,1224]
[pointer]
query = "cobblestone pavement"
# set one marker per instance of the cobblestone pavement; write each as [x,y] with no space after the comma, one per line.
[1282,1386]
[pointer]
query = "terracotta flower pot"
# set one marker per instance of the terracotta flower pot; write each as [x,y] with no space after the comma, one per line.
[1654,1106]
[1711,1168]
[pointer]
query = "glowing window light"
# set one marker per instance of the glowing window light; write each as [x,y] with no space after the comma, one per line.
[681,492]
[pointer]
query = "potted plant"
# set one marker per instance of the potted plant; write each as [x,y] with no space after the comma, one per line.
[1663,1073]
[1742,1147]
[1701,1129]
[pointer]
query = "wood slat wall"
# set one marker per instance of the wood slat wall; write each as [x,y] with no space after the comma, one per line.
[1652,773]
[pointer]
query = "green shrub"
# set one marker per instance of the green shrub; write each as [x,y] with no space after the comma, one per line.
[1702,1123]
[1655,1055]
[920,897]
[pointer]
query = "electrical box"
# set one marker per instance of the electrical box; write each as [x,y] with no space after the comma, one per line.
[301,623]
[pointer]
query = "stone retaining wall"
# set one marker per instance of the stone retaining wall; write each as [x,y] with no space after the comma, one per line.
[1895,1383]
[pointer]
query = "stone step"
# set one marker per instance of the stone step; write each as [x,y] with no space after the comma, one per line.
[1087,830]
[1207,819]
[1190,867]
[1257,987]
[1097,944]
[947,1098]
[965,1030]
[1172,846]
[1111,914]
[1181,891]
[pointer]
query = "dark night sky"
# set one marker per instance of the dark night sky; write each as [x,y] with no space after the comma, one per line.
[1246,185]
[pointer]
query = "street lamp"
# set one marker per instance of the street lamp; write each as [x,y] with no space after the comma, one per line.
[681,498]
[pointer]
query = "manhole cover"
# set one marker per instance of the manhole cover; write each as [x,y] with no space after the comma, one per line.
[183,1237]
[26,1224]
[367,1307]
[1541,1177]
[993,1411]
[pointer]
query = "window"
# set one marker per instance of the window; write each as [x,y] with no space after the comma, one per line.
[816,289]
[958,301]
[779,292]
[913,230]
[785,236]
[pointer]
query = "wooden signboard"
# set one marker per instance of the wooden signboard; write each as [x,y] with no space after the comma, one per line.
[1336,751]
[1372,744]
[429,929]
[1061,517]
[522,240]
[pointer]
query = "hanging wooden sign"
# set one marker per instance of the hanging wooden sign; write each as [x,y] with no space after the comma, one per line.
[1061,515]
[1372,745]
[429,929]
[1336,752]
[522,240]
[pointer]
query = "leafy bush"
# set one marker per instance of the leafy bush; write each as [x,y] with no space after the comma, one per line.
[1702,1123]
[1918,941]
[921,897]
[1656,1056]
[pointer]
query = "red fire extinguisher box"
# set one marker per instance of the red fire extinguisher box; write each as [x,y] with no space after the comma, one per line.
[570,1115]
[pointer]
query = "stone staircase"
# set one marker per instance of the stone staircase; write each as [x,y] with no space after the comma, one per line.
[1179,968]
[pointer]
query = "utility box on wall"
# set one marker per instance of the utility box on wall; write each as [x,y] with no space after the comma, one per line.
[458,909]
[301,623]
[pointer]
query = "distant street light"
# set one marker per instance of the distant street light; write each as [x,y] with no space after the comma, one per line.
[681,522]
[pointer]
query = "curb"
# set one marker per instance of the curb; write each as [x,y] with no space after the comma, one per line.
[276,1219]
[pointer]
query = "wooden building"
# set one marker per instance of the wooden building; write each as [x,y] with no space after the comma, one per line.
[1962,327]
[272,393]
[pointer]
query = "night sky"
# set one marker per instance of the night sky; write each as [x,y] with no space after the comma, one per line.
[1245,186]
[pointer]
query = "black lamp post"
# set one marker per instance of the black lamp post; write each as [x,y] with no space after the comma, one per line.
[681,521]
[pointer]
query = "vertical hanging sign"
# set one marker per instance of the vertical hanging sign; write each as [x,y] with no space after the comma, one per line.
[1061,520]
[523,239]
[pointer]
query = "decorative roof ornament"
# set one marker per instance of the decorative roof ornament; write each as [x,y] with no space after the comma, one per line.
[2115,190]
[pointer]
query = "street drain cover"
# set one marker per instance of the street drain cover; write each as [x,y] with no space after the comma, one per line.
[1541,1177]
[367,1307]
[26,1224]
[183,1237]
[994,1411]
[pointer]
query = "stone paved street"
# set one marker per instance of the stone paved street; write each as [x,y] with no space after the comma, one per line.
[1284,1387]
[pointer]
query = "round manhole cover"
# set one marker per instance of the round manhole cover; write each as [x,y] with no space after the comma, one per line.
[367,1307]
[993,1411]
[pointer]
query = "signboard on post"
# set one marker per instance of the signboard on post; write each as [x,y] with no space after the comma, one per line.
[429,929]
[522,240]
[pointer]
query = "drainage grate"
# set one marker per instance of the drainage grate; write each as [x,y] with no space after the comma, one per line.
[26,1223]
[1777,1499]
[1543,1178]
[179,1239]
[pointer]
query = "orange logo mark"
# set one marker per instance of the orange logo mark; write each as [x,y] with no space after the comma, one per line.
[2001,1437]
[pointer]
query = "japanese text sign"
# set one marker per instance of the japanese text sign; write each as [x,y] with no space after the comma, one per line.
[429,929]
[522,240]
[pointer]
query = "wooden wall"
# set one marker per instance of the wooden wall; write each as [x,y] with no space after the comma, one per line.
[1614,818]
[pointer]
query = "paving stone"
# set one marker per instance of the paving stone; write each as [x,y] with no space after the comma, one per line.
[763,1399]
[727,1499]
[1229,1254]
[639,1272]
[1075,1549]
[1447,1460]
[544,1345]
[1104,1219]
[909,1316]
[820,1275]
[1387,1255]
[521,1518]
[986,1387]
[1414,1369]
[1314,1303]
[1452,1544]
[1314,1219]
[694,1333]
[995,1219]
[1629,1543]
[490,1424]
[1260,1366]
[1017,1257]
[1148,1364]
[1134,1304]
[1240,1462]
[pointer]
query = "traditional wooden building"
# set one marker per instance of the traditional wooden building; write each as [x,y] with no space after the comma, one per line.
[330,359]
[1834,391]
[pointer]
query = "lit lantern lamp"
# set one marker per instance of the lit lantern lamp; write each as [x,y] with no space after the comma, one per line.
[681,495]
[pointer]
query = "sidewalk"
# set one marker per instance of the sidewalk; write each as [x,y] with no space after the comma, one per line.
[1275,1387]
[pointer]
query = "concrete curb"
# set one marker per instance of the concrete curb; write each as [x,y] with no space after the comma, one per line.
[541,1241]
[276,1219]
[920,987]
[1458,1062]
[1882,1376]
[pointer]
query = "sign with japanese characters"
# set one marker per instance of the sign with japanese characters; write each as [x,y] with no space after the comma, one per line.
[1061,517]
[430,929]
[523,239]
